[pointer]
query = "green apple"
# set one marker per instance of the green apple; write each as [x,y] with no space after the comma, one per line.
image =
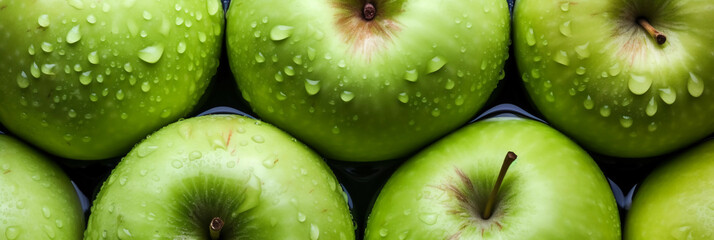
[597,71]
[37,199]
[88,79]
[222,175]
[676,201]
[554,190]
[367,80]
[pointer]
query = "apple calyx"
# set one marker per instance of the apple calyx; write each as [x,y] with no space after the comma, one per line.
[657,35]
[369,11]
[215,227]
[510,157]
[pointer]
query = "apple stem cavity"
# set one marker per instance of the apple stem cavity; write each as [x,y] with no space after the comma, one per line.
[215,227]
[369,11]
[510,157]
[657,35]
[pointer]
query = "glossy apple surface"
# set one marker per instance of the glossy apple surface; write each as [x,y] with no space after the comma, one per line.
[553,190]
[595,73]
[359,89]
[88,79]
[261,182]
[37,199]
[676,201]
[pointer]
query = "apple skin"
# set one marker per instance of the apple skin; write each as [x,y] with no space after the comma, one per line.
[677,199]
[37,199]
[259,180]
[554,190]
[596,75]
[87,80]
[321,72]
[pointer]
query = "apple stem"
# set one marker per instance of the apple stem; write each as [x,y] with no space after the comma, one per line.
[510,157]
[369,11]
[657,35]
[215,227]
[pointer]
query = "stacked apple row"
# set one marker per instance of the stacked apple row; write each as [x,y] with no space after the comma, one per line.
[356,81]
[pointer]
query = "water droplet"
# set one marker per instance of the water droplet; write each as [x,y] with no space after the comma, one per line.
[605,111]
[48,69]
[403,235]
[258,139]
[695,86]
[562,58]
[74,35]
[311,53]
[301,217]
[341,64]
[682,233]
[47,47]
[626,121]
[428,218]
[12,233]
[582,51]
[123,233]
[165,113]
[651,109]
[91,19]
[530,37]
[119,95]
[147,15]
[176,164]
[347,96]
[85,78]
[314,232]
[259,58]
[289,70]
[151,54]
[43,20]
[46,212]
[212,6]
[667,95]
[279,76]
[403,97]
[128,67]
[124,116]
[435,64]
[639,85]
[194,155]
[78,4]
[31,49]
[312,86]
[146,150]
[22,80]
[201,37]
[614,70]
[588,103]
[435,112]
[181,48]
[411,75]
[145,87]
[580,70]
[281,32]
[93,57]
[383,232]
[565,29]
[35,70]
[565,6]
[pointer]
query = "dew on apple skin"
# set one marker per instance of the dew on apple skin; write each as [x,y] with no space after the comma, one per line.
[588,103]
[93,57]
[301,217]
[435,64]
[31,50]
[695,86]
[347,96]
[281,32]
[85,78]
[22,80]
[565,29]
[580,70]
[151,54]
[565,6]
[668,95]
[43,20]
[651,108]
[562,58]
[605,111]
[582,51]
[311,52]
[177,164]
[626,121]
[428,218]
[35,70]
[91,19]
[194,155]
[259,58]
[411,75]
[383,232]
[404,235]
[652,127]
[47,47]
[530,37]
[123,233]
[435,112]
[48,69]
[46,212]
[403,97]
[312,86]
[145,87]
[77,4]
[212,7]
[49,231]
[314,232]
[639,85]
[682,233]
[74,35]
[12,232]
[449,84]
[289,70]
[128,68]
[119,95]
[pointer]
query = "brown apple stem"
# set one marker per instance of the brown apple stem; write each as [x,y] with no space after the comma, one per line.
[510,157]
[657,35]
[215,227]
[369,11]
